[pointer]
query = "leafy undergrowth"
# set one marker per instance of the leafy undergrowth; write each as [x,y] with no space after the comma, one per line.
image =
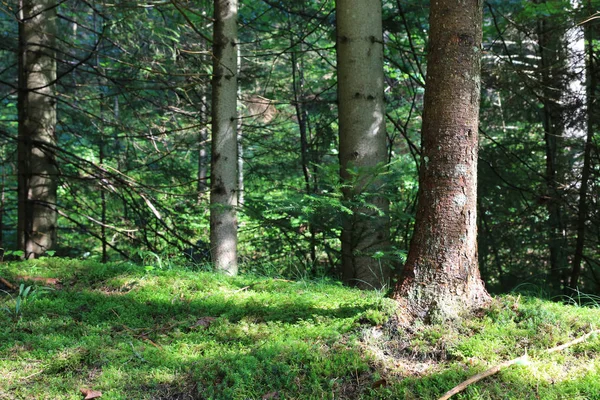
[131,333]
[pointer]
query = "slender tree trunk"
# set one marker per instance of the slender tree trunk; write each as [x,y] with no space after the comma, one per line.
[592,124]
[37,171]
[103,210]
[441,275]
[363,141]
[203,136]
[103,238]
[202,152]
[297,82]
[223,179]
[2,204]
[101,155]
[240,165]
[552,70]
[302,117]
[240,146]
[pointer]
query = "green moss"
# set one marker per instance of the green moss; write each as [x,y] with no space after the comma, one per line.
[133,334]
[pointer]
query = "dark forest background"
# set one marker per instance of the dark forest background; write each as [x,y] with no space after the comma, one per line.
[133,117]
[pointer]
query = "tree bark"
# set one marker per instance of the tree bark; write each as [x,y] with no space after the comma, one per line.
[203,134]
[240,145]
[362,141]
[590,32]
[223,179]
[202,152]
[2,206]
[37,171]
[553,85]
[441,275]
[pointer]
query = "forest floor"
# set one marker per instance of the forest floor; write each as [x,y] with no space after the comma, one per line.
[122,331]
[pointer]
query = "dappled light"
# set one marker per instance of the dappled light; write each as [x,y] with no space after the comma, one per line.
[125,332]
[301,199]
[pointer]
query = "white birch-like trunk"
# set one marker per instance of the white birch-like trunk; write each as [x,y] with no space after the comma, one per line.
[363,140]
[223,179]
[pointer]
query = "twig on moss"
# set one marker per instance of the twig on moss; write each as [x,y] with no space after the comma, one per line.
[572,342]
[463,385]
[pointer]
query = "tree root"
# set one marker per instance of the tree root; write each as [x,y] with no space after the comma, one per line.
[463,385]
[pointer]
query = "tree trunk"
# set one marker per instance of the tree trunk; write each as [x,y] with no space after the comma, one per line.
[240,146]
[363,140]
[240,165]
[592,124]
[101,151]
[101,157]
[202,152]
[2,206]
[223,196]
[37,171]
[441,276]
[303,127]
[203,136]
[553,83]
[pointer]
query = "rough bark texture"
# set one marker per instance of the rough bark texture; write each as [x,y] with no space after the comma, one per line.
[37,170]
[362,140]
[441,276]
[223,178]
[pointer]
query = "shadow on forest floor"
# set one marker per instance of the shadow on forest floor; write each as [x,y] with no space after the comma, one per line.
[174,334]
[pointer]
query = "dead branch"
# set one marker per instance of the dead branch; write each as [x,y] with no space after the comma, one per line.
[7,284]
[463,385]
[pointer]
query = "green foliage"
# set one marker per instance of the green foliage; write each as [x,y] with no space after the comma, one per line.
[22,300]
[133,100]
[11,254]
[133,109]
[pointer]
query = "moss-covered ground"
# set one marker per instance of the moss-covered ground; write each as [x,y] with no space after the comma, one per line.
[131,332]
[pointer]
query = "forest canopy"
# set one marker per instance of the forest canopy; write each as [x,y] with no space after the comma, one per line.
[110,109]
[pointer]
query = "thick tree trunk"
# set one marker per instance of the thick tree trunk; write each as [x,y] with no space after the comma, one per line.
[37,172]
[441,276]
[223,178]
[363,141]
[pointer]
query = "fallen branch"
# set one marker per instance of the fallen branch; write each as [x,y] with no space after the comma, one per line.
[7,284]
[572,342]
[463,385]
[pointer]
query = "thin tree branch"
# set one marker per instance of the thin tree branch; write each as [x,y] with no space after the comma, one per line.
[463,385]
